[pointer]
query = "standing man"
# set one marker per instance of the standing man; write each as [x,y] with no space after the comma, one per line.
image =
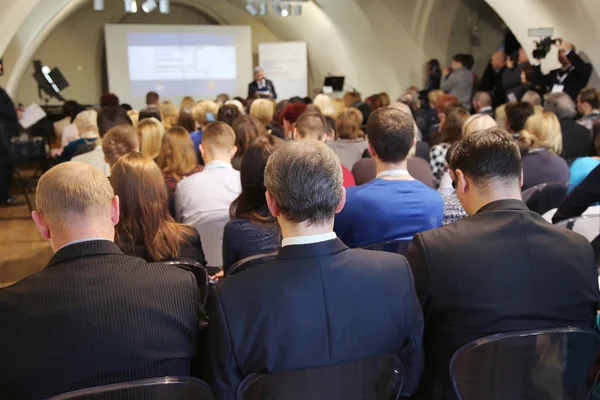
[9,128]
[152,100]
[261,87]
[492,79]
[458,81]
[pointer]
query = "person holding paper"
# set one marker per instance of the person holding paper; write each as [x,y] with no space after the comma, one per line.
[261,87]
[9,128]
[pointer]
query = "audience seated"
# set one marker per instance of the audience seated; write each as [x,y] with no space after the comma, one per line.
[238,104]
[94,316]
[203,113]
[252,229]
[301,310]
[228,113]
[482,104]
[70,109]
[150,112]
[450,132]
[186,121]
[109,117]
[289,116]
[203,200]
[95,158]
[187,105]
[541,142]
[134,116]
[325,106]
[516,117]
[177,158]
[582,166]
[85,131]
[365,170]
[351,99]
[577,139]
[146,229]
[588,105]
[503,268]
[394,206]
[150,133]
[350,144]
[445,103]
[120,140]
[169,114]
[263,110]
[247,129]
[582,197]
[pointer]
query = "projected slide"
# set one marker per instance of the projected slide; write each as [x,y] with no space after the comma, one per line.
[179,64]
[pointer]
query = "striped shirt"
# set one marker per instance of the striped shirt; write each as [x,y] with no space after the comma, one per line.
[203,200]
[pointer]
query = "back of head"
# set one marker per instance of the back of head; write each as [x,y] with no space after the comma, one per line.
[459,58]
[150,112]
[391,134]
[177,154]
[516,115]
[205,112]
[71,108]
[468,61]
[434,96]
[251,203]
[292,112]
[109,117]
[134,116]
[150,133]
[311,126]
[542,131]
[118,141]
[186,121]
[221,99]
[169,113]
[560,104]
[87,123]
[444,101]
[152,99]
[451,130]
[325,105]
[348,124]
[305,180]
[145,218]
[187,104]
[532,98]
[246,129]
[218,138]
[263,110]
[590,96]
[489,158]
[228,114]
[478,122]
[402,107]
[374,101]
[238,104]
[483,99]
[72,193]
[109,100]
[351,98]
[410,99]
[385,99]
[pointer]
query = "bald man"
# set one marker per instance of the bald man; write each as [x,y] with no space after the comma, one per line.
[492,78]
[94,316]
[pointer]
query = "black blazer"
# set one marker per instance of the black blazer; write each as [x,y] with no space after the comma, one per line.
[577,140]
[95,316]
[314,305]
[253,88]
[191,250]
[576,80]
[503,269]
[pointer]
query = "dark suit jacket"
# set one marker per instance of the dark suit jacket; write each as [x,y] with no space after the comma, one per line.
[577,140]
[315,305]
[191,250]
[95,316]
[503,269]
[576,80]
[253,88]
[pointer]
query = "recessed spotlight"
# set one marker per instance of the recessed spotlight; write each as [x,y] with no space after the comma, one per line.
[149,6]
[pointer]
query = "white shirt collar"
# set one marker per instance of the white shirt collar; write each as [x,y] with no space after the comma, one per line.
[484,109]
[298,240]
[81,241]
[217,164]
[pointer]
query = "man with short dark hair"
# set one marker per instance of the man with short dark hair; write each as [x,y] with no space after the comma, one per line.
[503,268]
[482,104]
[588,105]
[394,206]
[516,116]
[318,303]
[152,99]
[458,80]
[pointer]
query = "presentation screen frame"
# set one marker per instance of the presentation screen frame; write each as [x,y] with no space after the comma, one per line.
[117,58]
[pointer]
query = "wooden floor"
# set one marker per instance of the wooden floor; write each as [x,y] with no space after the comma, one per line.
[23,251]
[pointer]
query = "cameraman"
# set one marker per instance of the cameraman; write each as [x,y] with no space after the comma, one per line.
[571,78]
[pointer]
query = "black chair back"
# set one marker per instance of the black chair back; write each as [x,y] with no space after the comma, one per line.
[249,262]
[375,378]
[199,272]
[546,196]
[397,246]
[553,364]
[171,388]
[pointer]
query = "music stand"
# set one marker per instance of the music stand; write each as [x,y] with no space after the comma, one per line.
[336,83]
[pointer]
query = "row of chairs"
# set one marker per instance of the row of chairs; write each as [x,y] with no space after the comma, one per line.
[554,364]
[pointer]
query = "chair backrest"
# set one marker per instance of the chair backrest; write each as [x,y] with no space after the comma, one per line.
[199,272]
[553,364]
[249,262]
[586,225]
[396,246]
[172,388]
[375,378]
[546,196]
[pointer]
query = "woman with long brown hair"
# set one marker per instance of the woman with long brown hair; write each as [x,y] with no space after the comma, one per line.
[177,158]
[247,129]
[145,228]
[252,229]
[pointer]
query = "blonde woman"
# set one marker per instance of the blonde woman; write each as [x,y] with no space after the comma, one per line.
[325,105]
[541,143]
[150,132]
[169,114]
[203,113]
[187,104]
[134,116]
[263,110]
[478,122]
[86,124]
[177,159]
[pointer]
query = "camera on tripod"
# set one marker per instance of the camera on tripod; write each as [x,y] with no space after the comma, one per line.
[543,47]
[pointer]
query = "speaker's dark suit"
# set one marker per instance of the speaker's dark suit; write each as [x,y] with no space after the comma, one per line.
[503,269]
[253,88]
[95,316]
[314,305]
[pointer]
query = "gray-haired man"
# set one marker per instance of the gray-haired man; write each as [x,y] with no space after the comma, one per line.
[261,87]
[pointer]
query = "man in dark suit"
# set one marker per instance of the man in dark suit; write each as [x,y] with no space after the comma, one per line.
[318,303]
[577,139]
[261,87]
[573,75]
[94,316]
[491,81]
[502,269]
[482,104]
[9,128]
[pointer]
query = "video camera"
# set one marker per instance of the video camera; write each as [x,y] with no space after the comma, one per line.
[542,48]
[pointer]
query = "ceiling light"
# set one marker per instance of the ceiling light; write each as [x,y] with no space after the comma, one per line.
[251,9]
[263,9]
[286,10]
[98,5]
[130,6]
[164,6]
[149,6]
